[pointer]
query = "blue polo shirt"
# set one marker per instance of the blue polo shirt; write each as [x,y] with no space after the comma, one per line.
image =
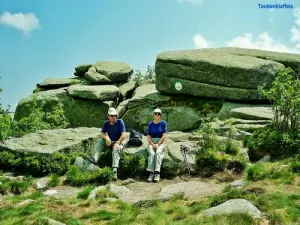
[157,130]
[114,131]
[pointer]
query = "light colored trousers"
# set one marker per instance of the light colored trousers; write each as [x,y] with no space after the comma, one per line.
[101,145]
[155,158]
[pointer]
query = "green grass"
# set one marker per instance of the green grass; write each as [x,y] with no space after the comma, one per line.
[279,200]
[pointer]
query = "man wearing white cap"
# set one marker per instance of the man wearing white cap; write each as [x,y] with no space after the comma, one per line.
[112,136]
[156,134]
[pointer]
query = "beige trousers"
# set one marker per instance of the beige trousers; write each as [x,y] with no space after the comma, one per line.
[155,158]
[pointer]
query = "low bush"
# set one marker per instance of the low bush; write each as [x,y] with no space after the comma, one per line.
[77,177]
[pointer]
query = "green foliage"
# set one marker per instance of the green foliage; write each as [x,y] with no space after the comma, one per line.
[132,165]
[285,97]
[54,180]
[77,177]
[276,171]
[208,134]
[40,119]
[208,162]
[282,137]
[266,140]
[15,186]
[170,168]
[37,164]
[84,194]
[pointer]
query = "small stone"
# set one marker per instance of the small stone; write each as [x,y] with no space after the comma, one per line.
[128,181]
[25,203]
[238,183]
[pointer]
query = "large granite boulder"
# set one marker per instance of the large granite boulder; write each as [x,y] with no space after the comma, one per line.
[97,92]
[214,74]
[109,72]
[288,59]
[54,83]
[146,98]
[47,151]
[80,70]
[79,112]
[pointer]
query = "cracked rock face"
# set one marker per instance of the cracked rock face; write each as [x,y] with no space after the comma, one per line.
[215,74]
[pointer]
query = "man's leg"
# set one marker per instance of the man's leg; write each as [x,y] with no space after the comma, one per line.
[159,156]
[116,155]
[98,148]
[151,163]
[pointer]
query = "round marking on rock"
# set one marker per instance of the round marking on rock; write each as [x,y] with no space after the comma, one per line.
[178,86]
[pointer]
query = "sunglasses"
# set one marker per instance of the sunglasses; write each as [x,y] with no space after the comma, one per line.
[157,114]
[112,115]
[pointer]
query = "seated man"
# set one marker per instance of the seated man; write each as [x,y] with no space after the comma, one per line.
[112,136]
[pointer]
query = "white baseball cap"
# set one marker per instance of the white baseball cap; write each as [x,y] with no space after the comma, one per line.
[112,111]
[157,110]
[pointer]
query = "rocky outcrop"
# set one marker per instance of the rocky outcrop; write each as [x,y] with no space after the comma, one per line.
[108,72]
[53,141]
[287,59]
[54,83]
[146,98]
[79,112]
[209,73]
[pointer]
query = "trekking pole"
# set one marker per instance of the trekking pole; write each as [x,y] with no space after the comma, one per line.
[184,149]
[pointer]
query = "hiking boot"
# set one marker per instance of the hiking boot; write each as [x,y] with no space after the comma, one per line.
[156,177]
[150,178]
[115,176]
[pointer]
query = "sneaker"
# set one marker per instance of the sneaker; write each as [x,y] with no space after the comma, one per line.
[156,177]
[150,178]
[115,176]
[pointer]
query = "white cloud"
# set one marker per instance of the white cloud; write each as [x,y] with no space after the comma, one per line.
[194,2]
[201,42]
[296,29]
[25,22]
[264,42]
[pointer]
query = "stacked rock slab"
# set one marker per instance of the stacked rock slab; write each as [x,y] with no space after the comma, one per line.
[214,74]
[85,101]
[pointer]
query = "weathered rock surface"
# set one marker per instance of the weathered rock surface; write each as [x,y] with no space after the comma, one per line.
[234,206]
[52,221]
[253,113]
[25,203]
[287,59]
[214,74]
[42,183]
[146,98]
[127,89]
[98,92]
[108,72]
[79,112]
[191,189]
[63,192]
[85,165]
[53,83]
[52,141]
[82,69]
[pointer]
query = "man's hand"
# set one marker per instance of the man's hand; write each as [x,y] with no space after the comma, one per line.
[107,141]
[116,146]
[155,146]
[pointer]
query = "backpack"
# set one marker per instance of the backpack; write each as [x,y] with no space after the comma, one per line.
[135,138]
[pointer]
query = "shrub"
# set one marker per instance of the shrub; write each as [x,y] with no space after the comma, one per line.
[54,180]
[268,141]
[84,194]
[209,162]
[282,137]
[37,164]
[77,177]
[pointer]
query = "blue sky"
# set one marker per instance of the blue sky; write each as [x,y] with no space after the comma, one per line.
[43,39]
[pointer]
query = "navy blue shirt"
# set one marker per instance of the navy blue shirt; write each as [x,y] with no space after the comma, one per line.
[157,130]
[114,131]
